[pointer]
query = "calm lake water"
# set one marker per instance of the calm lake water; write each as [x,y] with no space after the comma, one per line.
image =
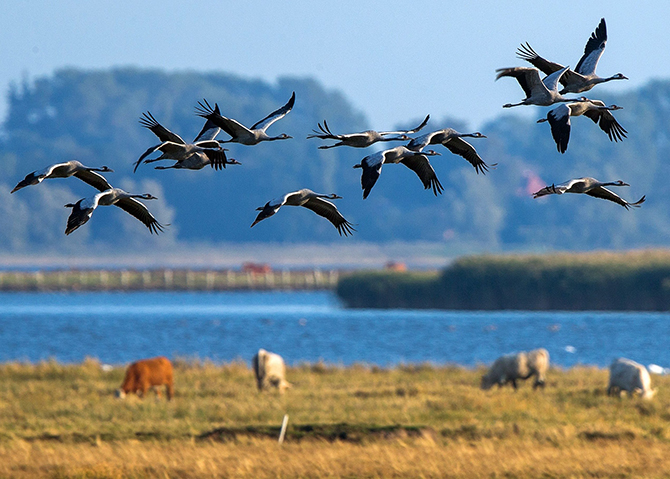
[118,328]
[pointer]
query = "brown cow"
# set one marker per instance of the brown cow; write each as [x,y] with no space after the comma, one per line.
[145,374]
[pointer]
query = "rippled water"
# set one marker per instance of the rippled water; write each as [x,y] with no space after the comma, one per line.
[121,327]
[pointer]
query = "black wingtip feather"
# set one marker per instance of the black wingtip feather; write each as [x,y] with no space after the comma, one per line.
[204,110]
[345,229]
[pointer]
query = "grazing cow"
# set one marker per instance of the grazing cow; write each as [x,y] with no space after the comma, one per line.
[627,375]
[522,365]
[270,370]
[145,374]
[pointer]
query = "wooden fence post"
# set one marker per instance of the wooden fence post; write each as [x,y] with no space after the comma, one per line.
[282,433]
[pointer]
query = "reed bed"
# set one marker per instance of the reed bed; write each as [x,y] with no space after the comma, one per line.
[601,281]
[361,421]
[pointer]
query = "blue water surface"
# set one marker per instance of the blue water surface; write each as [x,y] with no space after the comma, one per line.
[308,326]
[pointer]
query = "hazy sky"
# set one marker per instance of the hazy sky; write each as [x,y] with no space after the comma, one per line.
[394,60]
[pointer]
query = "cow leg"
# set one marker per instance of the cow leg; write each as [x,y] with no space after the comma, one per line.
[169,390]
[514,384]
[615,391]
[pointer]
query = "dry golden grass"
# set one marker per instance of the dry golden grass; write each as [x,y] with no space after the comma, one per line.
[397,458]
[62,421]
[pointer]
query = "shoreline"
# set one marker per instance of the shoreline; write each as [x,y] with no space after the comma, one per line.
[253,277]
[637,280]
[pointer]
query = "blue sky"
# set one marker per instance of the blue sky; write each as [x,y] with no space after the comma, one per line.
[396,61]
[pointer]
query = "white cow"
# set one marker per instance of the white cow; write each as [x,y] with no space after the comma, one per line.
[522,365]
[627,375]
[270,370]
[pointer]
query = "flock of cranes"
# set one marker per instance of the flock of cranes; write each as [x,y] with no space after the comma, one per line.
[207,150]
[204,150]
[545,92]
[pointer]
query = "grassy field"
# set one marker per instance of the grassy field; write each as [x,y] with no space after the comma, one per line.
[360,421]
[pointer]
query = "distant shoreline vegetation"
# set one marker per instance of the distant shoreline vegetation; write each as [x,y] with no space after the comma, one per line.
[249,277]
[600,281]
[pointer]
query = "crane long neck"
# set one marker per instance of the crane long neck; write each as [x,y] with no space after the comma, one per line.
[605,79]
[140,197]
[575,100]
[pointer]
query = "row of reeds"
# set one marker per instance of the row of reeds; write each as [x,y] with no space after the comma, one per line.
[635,280]
[166,280]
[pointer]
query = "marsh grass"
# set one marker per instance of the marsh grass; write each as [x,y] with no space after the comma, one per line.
[361,421]
[637,280]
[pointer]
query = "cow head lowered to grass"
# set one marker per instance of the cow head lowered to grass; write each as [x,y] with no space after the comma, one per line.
[145,374]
